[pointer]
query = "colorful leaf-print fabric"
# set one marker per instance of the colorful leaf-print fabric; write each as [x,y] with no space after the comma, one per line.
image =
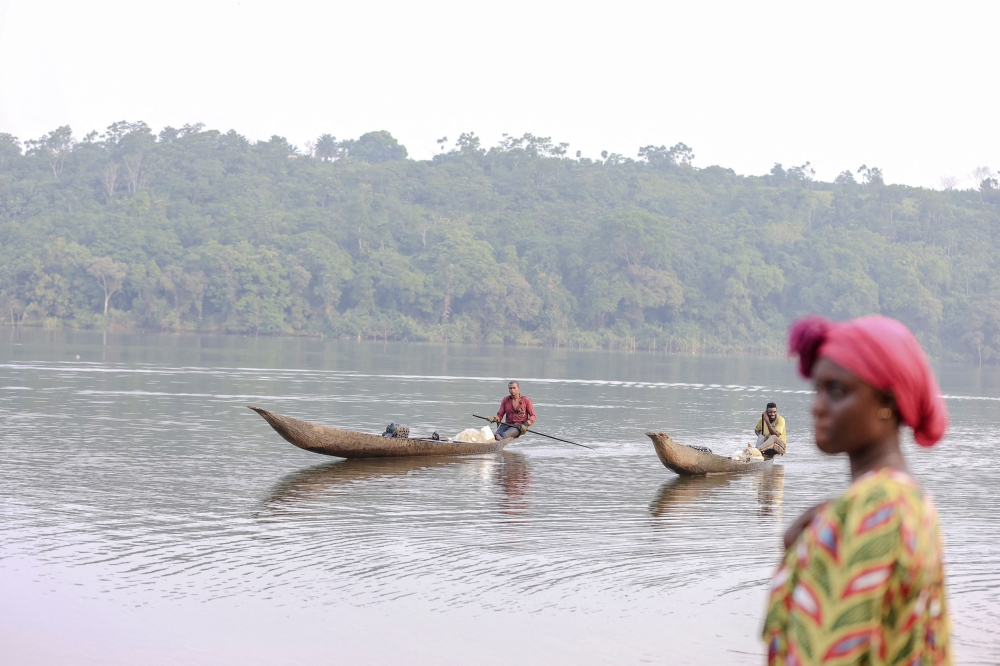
[864,583]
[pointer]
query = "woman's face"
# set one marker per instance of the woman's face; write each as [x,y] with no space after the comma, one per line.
[846,410]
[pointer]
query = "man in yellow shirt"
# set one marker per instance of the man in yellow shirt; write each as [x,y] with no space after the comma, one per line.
[770,431]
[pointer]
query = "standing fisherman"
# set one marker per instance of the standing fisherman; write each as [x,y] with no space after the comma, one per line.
[518,412]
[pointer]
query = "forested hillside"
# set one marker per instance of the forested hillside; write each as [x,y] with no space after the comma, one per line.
[196,229]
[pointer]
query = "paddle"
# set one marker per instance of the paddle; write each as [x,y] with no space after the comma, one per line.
[535,432]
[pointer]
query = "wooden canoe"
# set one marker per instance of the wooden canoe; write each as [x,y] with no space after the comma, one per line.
[351,444]
[692,462]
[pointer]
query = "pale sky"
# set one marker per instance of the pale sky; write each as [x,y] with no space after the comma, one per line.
[909,87]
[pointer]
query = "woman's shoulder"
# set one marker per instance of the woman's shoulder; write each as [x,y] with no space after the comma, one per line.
[881,523]
[883,483]
[879,500]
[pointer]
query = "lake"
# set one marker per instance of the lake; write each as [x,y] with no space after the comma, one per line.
[149,517]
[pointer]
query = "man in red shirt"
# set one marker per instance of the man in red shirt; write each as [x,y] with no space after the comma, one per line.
[518,412]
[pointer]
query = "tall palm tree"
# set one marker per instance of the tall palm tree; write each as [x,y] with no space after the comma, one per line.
[326,147]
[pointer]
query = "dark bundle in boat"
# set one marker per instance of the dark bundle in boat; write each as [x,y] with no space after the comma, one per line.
[698,461]
[352,444]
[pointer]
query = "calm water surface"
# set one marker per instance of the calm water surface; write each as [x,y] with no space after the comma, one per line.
[147,516]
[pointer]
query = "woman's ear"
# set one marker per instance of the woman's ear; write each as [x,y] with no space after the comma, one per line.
[889,409]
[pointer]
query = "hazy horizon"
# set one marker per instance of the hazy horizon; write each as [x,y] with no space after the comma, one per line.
[894,86]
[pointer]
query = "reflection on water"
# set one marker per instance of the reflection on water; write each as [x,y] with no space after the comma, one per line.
[686,492]
[313,484]
[770,485]
[513,477]
[682,492]
[136,476]
[509,471]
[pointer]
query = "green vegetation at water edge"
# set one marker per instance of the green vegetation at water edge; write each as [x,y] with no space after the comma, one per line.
[520,243]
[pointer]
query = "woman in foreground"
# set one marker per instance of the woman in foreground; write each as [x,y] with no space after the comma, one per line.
[861,581]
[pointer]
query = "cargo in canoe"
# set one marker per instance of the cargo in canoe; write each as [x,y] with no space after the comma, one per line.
[689,461]
[352,444]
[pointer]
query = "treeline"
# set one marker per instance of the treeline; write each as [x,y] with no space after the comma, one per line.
[519,243]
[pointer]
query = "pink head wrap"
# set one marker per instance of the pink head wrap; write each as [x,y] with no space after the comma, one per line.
[883,353]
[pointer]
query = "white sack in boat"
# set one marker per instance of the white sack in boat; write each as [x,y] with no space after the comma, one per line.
[475,436]
[749,454]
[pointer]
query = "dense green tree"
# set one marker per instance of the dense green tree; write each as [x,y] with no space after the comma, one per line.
[196,229]
[375,147]
[110,276]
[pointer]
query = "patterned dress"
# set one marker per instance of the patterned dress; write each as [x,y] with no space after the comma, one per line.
[864,582]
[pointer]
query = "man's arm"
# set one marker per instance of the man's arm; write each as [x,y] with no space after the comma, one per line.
[775,432]
[503,410]
[529,410]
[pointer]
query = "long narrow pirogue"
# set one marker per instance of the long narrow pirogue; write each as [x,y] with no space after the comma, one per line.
[692,462]
[351,444]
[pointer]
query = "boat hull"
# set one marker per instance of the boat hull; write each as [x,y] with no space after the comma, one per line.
[351,444]
[691,462]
